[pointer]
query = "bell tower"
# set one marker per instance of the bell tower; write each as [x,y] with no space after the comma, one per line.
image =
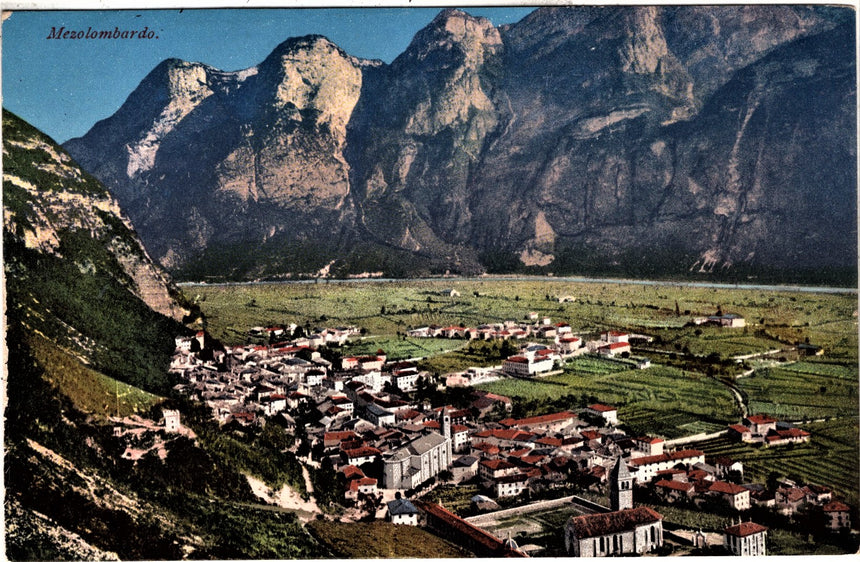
[445,426]
[621,480]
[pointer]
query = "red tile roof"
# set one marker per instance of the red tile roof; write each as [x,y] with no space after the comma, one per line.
[602,408]
[338,435]
[836,506]
[497,464]
[793,432]
[549,441]
[534,420]
[745,529]
[487,448]
[517,359]
[739,428]
[362,452]
[674,485]
[352,472]
[601,524]
[760,419]
[727,488]
[591,434]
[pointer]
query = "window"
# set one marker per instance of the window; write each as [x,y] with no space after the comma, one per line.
[653,535]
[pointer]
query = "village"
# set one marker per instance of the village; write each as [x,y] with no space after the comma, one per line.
[370,420]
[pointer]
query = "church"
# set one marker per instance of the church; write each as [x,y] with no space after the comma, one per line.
[420,459]
[625,530]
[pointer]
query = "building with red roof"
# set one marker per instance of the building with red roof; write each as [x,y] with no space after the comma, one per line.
[746,539]
[490,469]
[614,349]
[760,424]
[461,532]
[735,495]
[608,413]
[555,422]
[838,516]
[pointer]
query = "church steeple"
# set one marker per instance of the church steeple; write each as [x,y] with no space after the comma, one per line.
[621,480]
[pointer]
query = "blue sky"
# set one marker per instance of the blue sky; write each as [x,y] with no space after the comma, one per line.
[63,86]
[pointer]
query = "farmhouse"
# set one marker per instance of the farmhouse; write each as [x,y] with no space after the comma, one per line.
[736,496]
[614,349]
[838,516]
[630,531]
[608,413]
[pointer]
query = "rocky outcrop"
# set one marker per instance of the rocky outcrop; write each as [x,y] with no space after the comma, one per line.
[580,139]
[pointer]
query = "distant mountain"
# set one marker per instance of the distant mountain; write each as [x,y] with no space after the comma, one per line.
[622,140]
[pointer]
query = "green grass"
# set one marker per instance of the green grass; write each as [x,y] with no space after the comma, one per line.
[89,391]
[456,499]
[380,539]
[785,543]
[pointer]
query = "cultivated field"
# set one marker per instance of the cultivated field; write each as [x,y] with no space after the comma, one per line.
[659,401]
[386,308]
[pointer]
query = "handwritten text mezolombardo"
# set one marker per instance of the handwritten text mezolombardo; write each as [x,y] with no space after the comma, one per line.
[90,33]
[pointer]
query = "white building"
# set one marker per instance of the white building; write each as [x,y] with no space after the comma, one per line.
[608,413]
[419,460]
[402,512]
[746,539]
[647,467]
[522,365]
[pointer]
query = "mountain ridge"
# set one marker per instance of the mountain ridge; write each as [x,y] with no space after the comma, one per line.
[549,145]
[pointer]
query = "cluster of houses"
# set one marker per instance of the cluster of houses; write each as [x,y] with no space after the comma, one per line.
[536,359]
[761,428]
[378,438]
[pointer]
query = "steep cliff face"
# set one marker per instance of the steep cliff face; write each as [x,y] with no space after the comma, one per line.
[419,131]
[580,139]
[232,158]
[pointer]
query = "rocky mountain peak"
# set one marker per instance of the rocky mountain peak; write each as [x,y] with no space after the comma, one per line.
[312,73]
[453,29]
